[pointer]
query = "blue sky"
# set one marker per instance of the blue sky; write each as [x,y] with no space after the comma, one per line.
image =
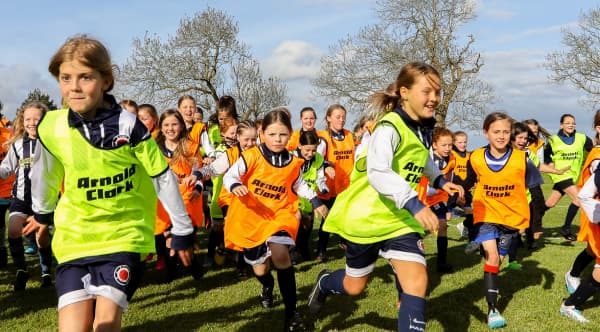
[289,37]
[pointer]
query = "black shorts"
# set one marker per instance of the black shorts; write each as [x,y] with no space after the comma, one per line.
[115,277]
[19,206]
[562,185]
[440,210]
[360,258]
[259,254]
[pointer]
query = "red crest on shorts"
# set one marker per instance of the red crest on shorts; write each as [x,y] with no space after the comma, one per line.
[421,246]
[122,275]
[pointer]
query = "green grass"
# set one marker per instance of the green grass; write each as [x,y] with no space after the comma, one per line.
[529,299]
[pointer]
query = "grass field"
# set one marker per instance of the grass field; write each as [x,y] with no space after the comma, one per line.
[529,299]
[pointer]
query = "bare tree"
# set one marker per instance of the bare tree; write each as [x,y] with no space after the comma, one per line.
[255,94]
[410,30]
[197,61]
[579,64]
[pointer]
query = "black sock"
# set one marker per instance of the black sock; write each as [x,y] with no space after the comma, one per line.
[241,263]
[287,286]
[17,252]
[468,223]
[512,250]
[581,262]
[45,259]
[213,242]
[266,280]
[571,212]
[160,244]
[585,290]
[442,247]
[490,282]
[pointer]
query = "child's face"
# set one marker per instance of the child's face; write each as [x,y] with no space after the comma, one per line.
[187,108]
[568,125]
[276,136]
[337,119]
[31,117]
[198,117]
[221,117]
[534,128]
[308,120]
[422,98]
[442,146]
[82,87]
[460,142]
[229,135]
[147,119]
[308,151]
[498,134]
[521,141]
[171,128]
[247,139]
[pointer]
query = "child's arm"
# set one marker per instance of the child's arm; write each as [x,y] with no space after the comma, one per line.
[9,164]
[232,179]
[322,180]
[305,191]
[209,149]
[47,174]
[589,205]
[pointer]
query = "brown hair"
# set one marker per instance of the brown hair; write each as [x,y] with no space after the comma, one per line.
[330,110]
[495,116]
[90,52]
[131,103]
[226,104]
[389,98]
[228,123]
[277,115]
[440,132]
[181,151]
[184,97]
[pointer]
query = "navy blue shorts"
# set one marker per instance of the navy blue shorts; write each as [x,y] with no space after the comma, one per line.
[19,206]
[115,277]
[503,235]
[361,258]
[440,210]
[259,254]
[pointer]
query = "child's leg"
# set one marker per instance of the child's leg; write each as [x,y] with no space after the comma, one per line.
[78,316]
[285,276]
[413,278]
[45,254]
[107,316]
[15,243]
[442,247]
[555,196]
[3,251]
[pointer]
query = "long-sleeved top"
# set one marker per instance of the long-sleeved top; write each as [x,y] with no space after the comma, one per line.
[19,161]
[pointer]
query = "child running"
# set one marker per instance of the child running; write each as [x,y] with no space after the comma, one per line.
[149,117]
[5,193]
[437,199]
[589,232]
[111,170]
[19,161]
[587,255]
[500,207]
[263,215]
[459,173]
[313,173]
[566,148]
[380,213]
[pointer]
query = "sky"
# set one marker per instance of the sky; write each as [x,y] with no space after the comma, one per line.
[289,37]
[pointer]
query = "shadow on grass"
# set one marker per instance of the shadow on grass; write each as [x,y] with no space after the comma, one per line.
[454,309]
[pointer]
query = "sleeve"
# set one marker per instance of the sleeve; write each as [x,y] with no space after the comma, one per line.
[384,180]
[149,155]
[322,180]
[589,144]
[218,167]
[233,176]
[209,149]
[167,190]
[589,205]
[533,177]
[47,175]
[10,163]
[548,153]
[303,189]
[594,165]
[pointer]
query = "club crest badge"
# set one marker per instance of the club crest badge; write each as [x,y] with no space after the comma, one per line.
[122,275]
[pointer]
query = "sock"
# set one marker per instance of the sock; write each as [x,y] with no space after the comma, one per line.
[583,292]
[490,283]
[334,283]
[581,262]
[411,315]
[571,212]
[468,223]
[45,259]
[323,241]
[213,242]
[287,286]
[160,244]
[267,280]
[512,250]
[241,263]
[17,252]
[442,247]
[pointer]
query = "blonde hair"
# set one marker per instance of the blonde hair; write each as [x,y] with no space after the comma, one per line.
[19,131]
[90,52]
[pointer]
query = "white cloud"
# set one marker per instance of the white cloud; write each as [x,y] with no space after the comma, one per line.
[293,60]
[20,79]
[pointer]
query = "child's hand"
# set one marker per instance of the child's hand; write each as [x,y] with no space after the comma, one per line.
[427,219]
[195,195]
[32,225]
[453,188]
[322,211]
[240,191]
[330,172]
[563,170]
[189,181]
[207,160]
